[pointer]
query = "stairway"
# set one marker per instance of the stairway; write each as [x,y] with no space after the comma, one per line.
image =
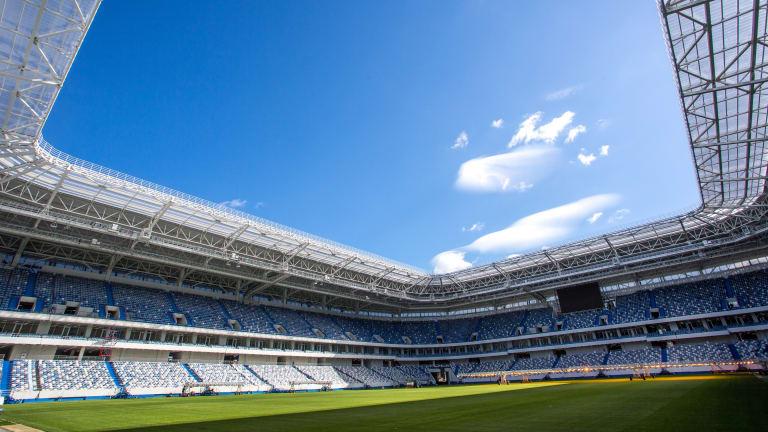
[115,378]
[191,373]
[557,360]
[29,289]
[309,377]
[5,381]
[261,378]
[734,352]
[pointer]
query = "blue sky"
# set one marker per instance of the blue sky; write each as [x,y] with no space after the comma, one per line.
[376,124]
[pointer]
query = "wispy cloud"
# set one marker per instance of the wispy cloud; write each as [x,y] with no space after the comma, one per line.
[529,233]
[516,170]
[574,132]
[595,217]
[234,203]
[545,227]
[619,215]
[529,129]
[562,93]
[604,150]
[586,159]
[462,141]
[449,261]
[498,123]
[475,227]
[603,123]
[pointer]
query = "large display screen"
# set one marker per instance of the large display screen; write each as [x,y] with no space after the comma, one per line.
[580,297]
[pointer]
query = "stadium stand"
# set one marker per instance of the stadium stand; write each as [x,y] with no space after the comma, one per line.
[152,377]
[581,359]
[752,349]
[143,304]
[330,374]
[393,374]
[705,352]
[280,376]
[417,373]
[367,376]
[635,356]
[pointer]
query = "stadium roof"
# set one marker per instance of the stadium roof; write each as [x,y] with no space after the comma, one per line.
[55,205]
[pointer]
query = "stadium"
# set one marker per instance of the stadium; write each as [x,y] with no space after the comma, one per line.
[123,302]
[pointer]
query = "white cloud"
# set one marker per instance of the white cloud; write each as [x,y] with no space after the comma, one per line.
[462,141]
[574,132]
[618,215]
[586,159]
[516,170]
[449,261]
[548,132]
[594,218]
[603,123]
[475,227]
[234,203]
[604,150]
[542,228]
[562,93]
[498,123]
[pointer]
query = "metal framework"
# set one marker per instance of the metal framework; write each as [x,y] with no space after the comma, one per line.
[55,206]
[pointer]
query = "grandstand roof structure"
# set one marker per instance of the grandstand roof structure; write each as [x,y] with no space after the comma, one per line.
[55,206]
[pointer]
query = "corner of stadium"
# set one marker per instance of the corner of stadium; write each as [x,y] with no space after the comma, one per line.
[126,305]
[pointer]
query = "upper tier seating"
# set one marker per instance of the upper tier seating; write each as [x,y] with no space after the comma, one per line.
[158,307]
[458,330]
[541,317]
[751,289]
[326,324]
[691,298]
[500,325]
[359,328]
[291,320]
[12,284]
[63,289]
[144,304]
[632,307]
[204,311]
[581,319]
[251,317]
[420,332]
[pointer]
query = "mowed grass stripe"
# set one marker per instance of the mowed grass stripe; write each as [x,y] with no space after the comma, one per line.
[78,415]
[735,403]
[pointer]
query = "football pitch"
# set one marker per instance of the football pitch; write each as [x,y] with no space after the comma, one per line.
[710,403]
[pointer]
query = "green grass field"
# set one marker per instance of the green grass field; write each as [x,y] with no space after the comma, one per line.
[724,403]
